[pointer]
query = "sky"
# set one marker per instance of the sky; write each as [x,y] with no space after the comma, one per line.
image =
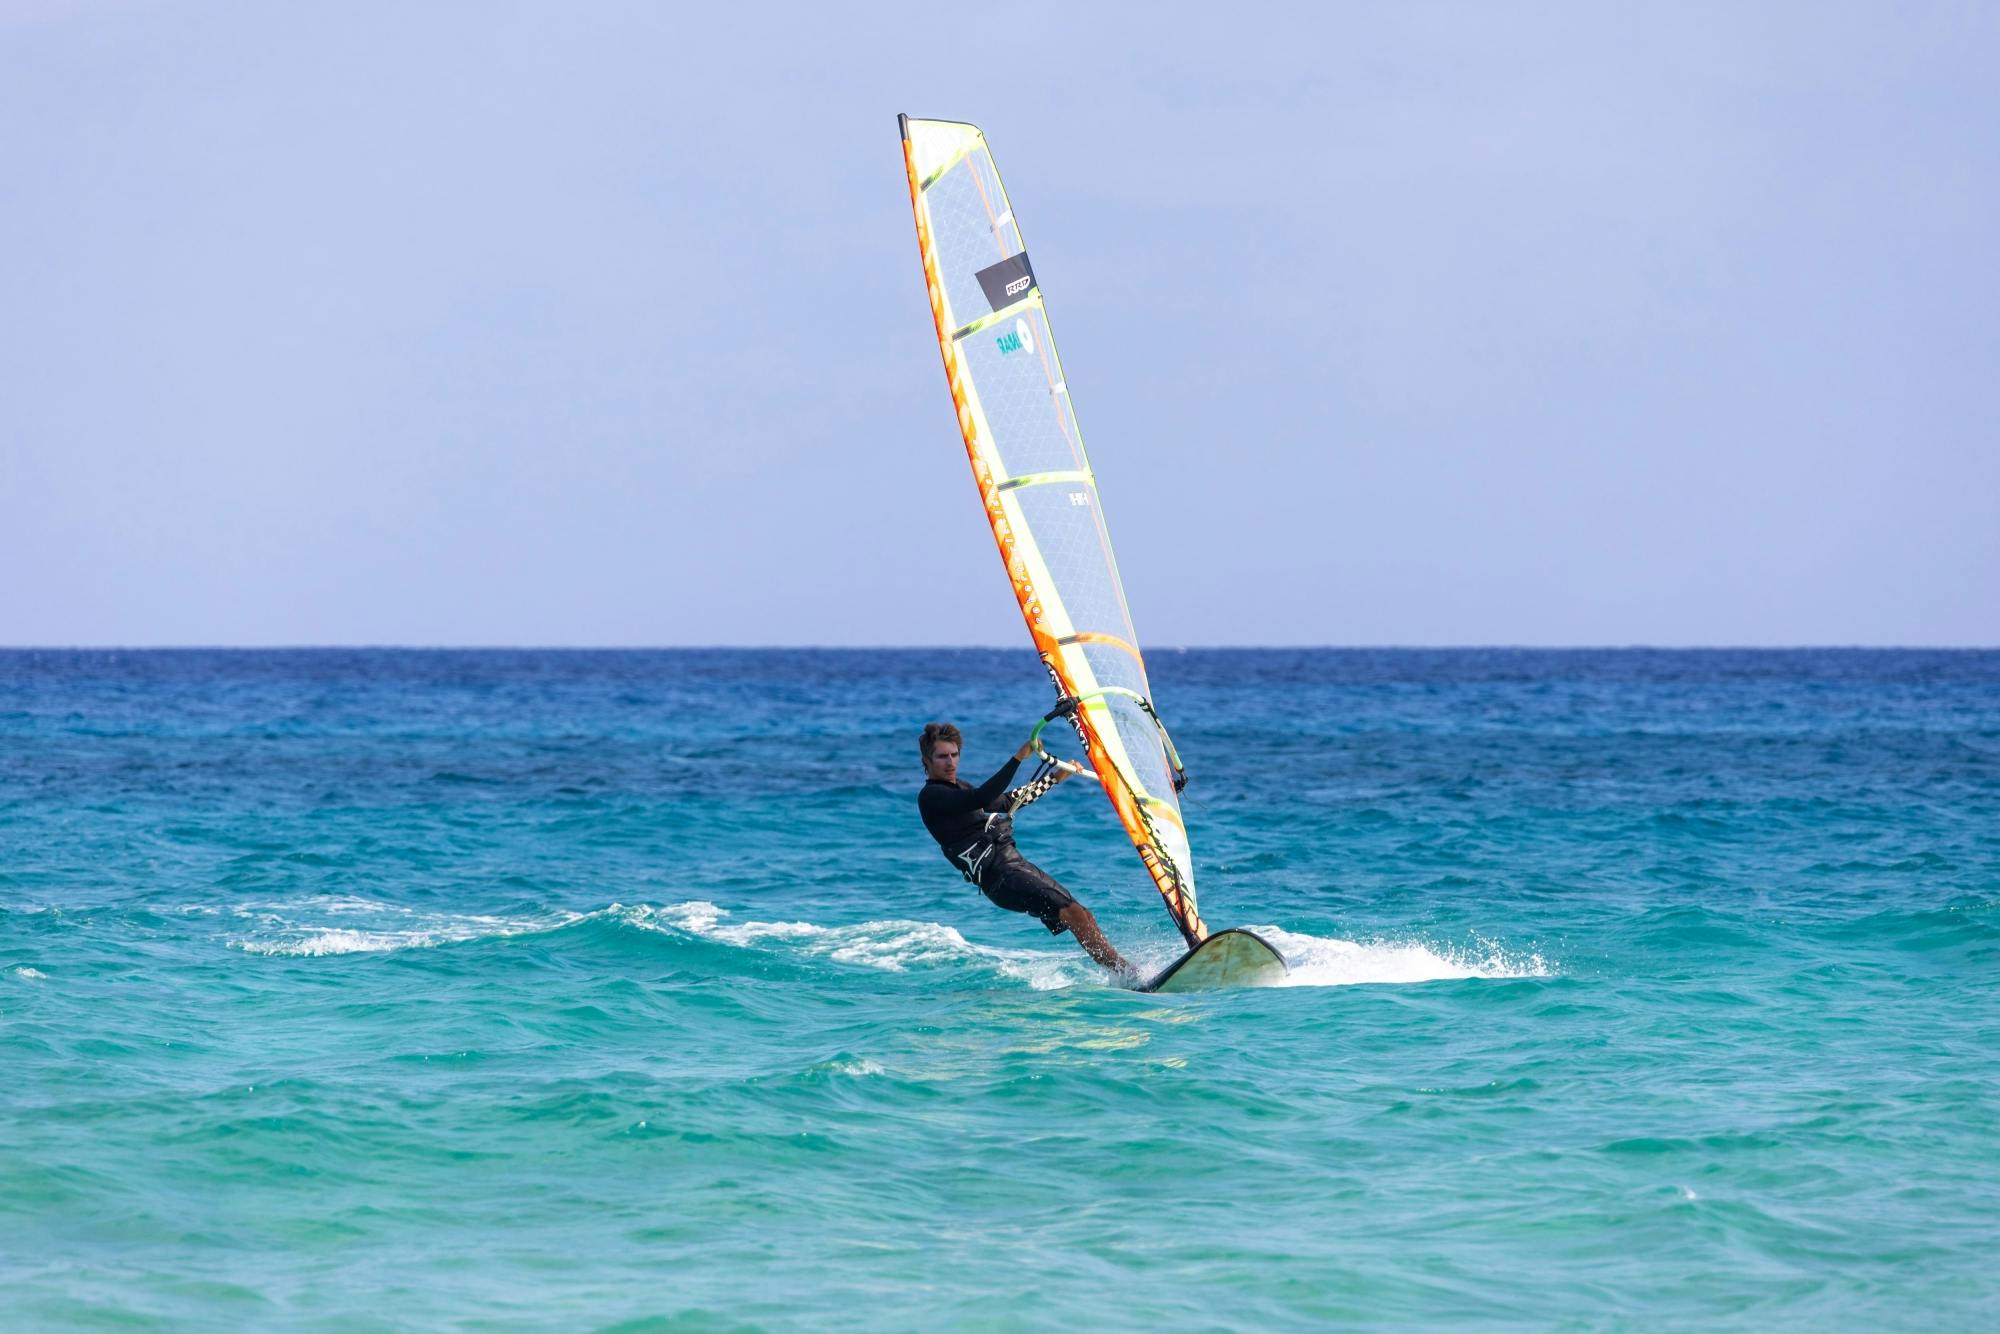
[1387,324]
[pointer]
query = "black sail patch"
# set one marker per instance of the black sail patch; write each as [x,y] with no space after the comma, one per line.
[1008,281]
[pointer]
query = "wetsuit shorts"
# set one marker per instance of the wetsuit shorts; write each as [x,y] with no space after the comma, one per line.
[1018,885]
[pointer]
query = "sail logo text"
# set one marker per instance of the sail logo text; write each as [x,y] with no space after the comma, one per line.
[1017,339]
[1019,285]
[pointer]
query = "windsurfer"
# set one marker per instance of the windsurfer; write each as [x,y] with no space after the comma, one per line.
[975,828]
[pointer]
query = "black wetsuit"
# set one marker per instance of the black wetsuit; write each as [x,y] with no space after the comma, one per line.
[973,827]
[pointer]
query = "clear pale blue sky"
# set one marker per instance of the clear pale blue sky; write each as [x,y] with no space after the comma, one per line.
[1391,324]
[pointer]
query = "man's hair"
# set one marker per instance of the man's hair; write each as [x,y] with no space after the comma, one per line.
[936,732]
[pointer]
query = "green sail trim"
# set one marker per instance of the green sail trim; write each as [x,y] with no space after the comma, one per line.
[1047,479]
[1005,312]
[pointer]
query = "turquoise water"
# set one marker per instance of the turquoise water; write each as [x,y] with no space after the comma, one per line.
[525,989]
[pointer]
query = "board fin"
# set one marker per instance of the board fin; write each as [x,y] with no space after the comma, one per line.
[1232,958]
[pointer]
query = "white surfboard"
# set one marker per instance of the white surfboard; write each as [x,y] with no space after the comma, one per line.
[1232,958]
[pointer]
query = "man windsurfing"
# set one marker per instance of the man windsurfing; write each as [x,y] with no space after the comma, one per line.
[975,828]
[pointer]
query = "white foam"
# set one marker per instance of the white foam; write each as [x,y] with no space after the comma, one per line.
[341,942]
[301,928]
[1047,971]
[1318,961]
[891,945]
[749,933]
[28,974]
[285,927]
[695,915]
[861,1066]
[897,945]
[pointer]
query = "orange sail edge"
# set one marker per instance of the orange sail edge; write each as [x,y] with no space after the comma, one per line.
[1137,827]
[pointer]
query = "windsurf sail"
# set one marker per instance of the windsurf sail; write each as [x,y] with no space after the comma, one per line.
[1041,497]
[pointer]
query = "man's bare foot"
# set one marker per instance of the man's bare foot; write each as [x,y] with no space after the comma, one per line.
[1084,927]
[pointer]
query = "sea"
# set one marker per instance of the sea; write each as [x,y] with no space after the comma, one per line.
[496,990]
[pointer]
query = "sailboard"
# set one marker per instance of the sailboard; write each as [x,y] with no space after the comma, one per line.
[1232,958]
[1041,499]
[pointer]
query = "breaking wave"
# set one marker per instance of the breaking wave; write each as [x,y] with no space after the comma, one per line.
[328,925]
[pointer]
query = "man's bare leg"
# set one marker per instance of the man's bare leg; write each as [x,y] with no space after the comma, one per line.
[1084,927]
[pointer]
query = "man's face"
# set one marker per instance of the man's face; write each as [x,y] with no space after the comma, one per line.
[944,761]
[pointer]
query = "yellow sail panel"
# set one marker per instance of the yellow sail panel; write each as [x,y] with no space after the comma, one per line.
[1041,497]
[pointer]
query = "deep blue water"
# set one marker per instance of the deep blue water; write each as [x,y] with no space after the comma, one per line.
[355,989]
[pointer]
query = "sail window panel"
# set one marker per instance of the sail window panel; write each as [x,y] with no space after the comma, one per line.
[1013,369]
[1063,522]
[964,205]
[1172,843]
[1111,665]
[1143,747]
